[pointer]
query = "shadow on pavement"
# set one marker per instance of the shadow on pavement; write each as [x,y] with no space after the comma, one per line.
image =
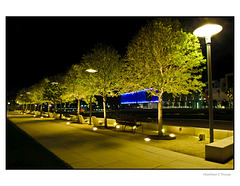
[22,152]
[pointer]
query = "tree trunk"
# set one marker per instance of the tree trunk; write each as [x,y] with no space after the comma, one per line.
[78,111]
[41,109]
[48,110]
[160,121]
[90,115]
[185,101]
[54,107]
[61,109]
[104,111]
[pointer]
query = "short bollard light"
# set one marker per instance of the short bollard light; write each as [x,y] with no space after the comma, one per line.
[94,128]
[68,123]
[147,139]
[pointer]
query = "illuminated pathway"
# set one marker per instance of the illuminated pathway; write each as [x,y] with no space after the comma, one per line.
[83,148]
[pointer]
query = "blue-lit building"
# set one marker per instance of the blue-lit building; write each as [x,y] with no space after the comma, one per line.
[140,99]
[143,99]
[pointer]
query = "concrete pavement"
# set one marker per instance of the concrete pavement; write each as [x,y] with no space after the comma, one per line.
[83,148]
[23,152]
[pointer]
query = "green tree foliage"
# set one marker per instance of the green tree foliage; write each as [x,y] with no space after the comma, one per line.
[164,57]
[76,86]
[23,98]
[52,90]
[105,82]
[19,98]
[37,94]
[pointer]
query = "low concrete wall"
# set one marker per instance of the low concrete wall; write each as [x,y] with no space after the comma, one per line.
[218,134]
[37,113]
[220,151]
[146,125]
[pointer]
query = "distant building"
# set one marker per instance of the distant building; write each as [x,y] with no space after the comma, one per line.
[222,97]
[223,92]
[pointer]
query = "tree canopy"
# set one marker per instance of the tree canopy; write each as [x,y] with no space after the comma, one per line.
[162,57]
[107,63]
[166,59]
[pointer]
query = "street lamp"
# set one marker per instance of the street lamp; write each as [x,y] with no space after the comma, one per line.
[91,70]
[90,114]
[208,31]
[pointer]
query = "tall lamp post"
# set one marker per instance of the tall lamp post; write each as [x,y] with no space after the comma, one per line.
[90,114]
[207,31]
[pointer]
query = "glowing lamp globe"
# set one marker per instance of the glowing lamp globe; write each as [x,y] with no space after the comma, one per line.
[91,70]
[207,30]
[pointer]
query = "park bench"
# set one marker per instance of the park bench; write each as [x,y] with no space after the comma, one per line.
[99,122]
[129,123]
[82,120]
[220,151]
[96,122]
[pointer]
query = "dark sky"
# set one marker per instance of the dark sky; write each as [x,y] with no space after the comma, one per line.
[37,47]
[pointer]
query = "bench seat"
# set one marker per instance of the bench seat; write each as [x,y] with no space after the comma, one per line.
[130,123]
[220,151]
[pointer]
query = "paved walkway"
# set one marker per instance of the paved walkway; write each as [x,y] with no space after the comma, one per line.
[83,148]
[23,152]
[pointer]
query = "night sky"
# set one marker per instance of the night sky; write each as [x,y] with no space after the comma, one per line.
[38,47]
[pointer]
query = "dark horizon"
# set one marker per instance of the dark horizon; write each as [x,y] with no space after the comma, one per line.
[38,47]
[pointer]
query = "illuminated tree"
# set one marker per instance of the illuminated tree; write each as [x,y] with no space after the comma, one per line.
[165,58]
[76,85]
[23,98]
[36,94]
[106,61]
[52,91]
[62,87]
[19,98]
